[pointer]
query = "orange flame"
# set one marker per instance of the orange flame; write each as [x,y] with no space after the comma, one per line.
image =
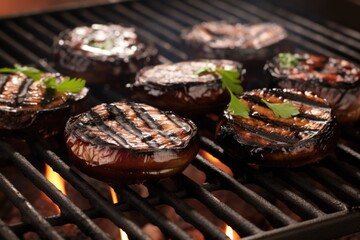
[216,162]
[123,235]
[55,179]
[231,233]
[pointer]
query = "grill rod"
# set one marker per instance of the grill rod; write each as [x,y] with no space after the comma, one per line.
[89,193]
[67,207]
[29,214]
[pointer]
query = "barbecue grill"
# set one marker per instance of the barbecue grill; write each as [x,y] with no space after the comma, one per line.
[324,197]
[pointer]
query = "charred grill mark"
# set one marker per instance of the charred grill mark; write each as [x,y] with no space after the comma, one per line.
[122,120]
[178,123]
[3,81]
[268,134]
[151,123]
[298,98]
[23,91]
[100,124]
[257,100]
[86,135]
[263,123]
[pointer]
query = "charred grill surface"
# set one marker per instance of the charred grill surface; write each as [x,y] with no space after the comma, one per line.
[130,142]
[269,140]
[336,80]
[178,87]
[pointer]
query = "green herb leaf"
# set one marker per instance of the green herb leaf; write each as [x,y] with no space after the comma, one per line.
[230,80]
[73,85]
[106,45]
[283,110]
[237,107]
[30,72]
[287,60]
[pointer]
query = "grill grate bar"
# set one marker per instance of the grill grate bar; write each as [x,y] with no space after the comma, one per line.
[236,221]
[7,58]
[161,19]
[209,230]
[91,17]
[139,18]
[90,193]
[311,25]
[342,190]
[166,226]
[174,13]
[326,228]
[71,18]
[344,30]
[349,151]
[227,8]
[346,170]
[24,51]
[29,37]
[297,204]
[67,207]
[299,30]
[54,22]
[6,233]
[268,210]
[321,198]
[28,212]
[39,28]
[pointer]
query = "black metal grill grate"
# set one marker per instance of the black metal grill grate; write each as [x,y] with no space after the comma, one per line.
[325,213]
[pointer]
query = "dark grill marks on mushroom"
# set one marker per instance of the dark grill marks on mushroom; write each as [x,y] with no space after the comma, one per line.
[28,107]
[336,80]
[178,87]
[130,142]
[268,140]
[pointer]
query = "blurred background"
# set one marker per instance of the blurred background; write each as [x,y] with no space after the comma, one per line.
[344,12]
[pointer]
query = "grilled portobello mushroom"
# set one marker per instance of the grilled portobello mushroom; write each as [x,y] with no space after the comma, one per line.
[268,140]
[29,108]
[250,44]
[102,53]
[336,80]
[130,142]
[178,86]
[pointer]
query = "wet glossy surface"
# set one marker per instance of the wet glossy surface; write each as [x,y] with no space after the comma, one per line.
[130,142]
[271,140]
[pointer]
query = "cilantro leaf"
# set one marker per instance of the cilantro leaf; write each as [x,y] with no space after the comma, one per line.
[237,107]
[30,72]
[283,110]
[73,85]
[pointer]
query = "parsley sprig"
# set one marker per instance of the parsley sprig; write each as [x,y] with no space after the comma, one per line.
[287,60]
[230,80]
[283,110]
[73,85]
[30,72]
